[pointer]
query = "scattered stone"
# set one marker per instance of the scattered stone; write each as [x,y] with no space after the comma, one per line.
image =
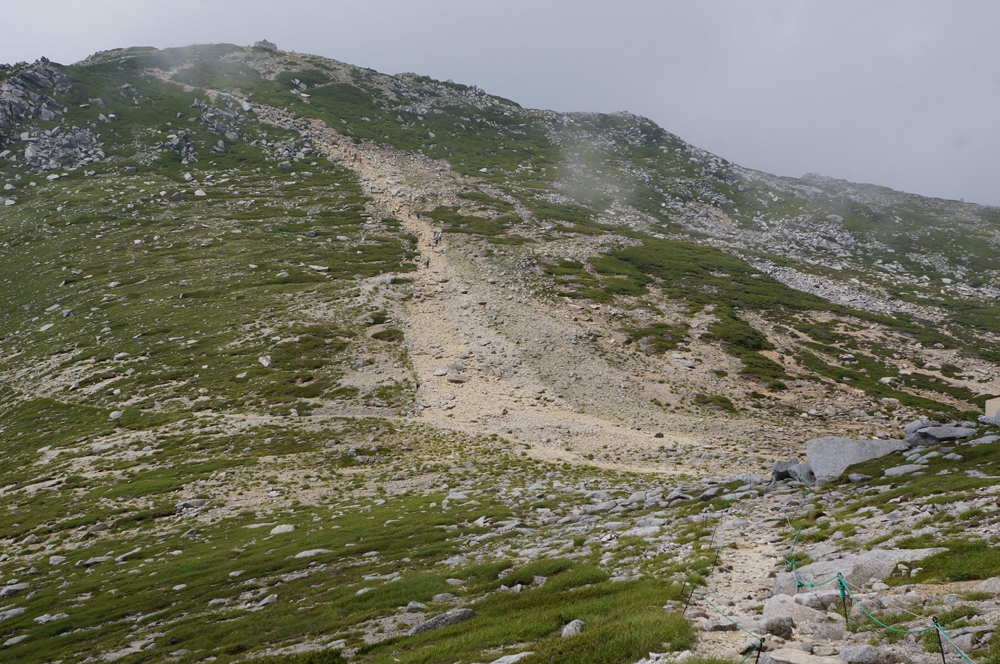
[10,613]
[452,617]
[284,528]
[794,656]
[903,470]
[572,629]
[865,654]
[13,589]
[930,435]
[830,456]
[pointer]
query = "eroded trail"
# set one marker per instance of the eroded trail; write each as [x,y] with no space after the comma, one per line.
[462,361]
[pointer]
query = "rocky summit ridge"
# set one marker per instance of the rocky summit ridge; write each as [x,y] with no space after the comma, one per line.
[305,362]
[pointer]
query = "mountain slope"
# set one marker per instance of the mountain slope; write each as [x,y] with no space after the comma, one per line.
[247,289]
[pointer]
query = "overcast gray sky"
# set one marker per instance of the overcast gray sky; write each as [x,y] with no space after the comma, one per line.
[902,93]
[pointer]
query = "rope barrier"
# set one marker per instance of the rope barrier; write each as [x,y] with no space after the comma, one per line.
[843,585]
[740,627]
[846,586]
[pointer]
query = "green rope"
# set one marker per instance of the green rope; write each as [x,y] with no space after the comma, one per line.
[725,616]
[844,585]
[795,543]
[945,634]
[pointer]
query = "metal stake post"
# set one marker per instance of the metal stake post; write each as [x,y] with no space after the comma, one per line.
[938,632]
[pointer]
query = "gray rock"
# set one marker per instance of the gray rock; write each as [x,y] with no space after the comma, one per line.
[126,556]
[511,659]
[779,469]
[905,469]
[284,528]
[601,507]
[855,478]
[917,425]
[813,600]
[827,631]
[783,606]
[830,456]
[10,613]
[57,560]
[194,503]
[31,539]
[931,435]
[857,569]
[718,625]
[452,617]
[734,524]
[985,440]
[13,589]
[90,562]
[711,493]
[991,585]
[864,655]
[794,656]
[416,606]
[780,626]
[802,473]
[965,643]
[116,414]
[572,629]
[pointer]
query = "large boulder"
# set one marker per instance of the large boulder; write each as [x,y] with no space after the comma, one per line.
[784,606]
[780,626]
[795,656]
[779,469]
[917,425]
[802,473]
[858,569]
[830,456]
[931,435]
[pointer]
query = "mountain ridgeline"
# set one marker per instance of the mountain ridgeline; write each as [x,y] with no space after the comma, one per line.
[306,361]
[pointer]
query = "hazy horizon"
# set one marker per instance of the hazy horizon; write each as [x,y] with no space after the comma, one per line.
[898,94]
